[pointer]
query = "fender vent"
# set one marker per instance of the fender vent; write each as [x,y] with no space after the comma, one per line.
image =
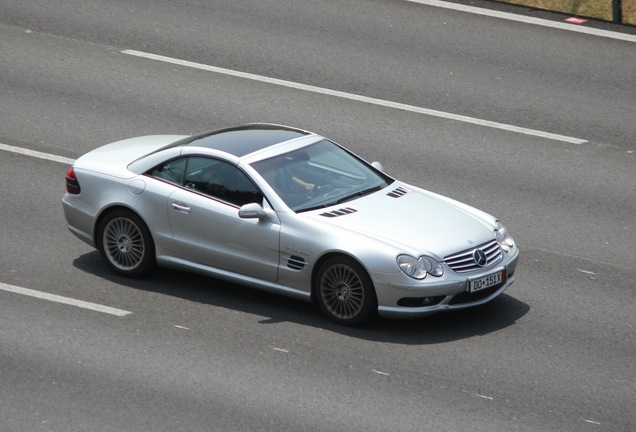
[295,262]
[396,193]
[339,212]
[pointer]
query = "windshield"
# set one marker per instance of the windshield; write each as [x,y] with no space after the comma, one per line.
[320,175]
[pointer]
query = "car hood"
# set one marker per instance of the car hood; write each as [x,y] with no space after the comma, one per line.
[113,158]
[412,220]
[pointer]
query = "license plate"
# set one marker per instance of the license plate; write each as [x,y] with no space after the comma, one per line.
[486,281]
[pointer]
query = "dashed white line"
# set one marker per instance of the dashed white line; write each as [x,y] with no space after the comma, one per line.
[64,300]
[586,271]
[592,422]
[37,154]
[355,97]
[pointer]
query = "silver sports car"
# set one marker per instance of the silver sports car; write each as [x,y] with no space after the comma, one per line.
[287,211]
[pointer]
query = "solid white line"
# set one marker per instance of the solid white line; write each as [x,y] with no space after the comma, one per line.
[65,300]
[37,154]
[528,20]
[357,98]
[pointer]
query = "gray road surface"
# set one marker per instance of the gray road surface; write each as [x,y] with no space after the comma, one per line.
[556,352]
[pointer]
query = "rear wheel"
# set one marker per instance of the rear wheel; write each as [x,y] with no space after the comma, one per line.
[125,243]
[344,291]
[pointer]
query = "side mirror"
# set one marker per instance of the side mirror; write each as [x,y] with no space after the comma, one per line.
[378,166]
[252,211]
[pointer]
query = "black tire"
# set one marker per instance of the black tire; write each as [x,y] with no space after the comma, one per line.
[125,243]
[344,291]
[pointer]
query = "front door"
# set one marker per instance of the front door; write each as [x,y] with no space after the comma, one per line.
[206,226]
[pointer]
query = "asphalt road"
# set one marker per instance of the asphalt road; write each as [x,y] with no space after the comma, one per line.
[555,352]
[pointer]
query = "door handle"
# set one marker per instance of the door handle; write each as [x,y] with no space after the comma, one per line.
[181,207]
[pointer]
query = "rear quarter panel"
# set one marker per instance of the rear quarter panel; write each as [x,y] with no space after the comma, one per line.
[103,193]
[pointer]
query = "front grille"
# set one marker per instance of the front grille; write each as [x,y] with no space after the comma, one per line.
[467,297]
[464,261]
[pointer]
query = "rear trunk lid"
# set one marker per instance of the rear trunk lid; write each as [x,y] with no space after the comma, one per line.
[114,158]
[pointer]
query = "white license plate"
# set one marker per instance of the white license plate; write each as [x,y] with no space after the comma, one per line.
[486,281]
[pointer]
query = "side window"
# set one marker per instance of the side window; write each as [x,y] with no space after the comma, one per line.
[171,171]
[220,180]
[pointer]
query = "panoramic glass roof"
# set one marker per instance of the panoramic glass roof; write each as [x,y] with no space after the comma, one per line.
[243,140]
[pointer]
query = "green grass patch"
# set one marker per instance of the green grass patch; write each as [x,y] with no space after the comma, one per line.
[601,9]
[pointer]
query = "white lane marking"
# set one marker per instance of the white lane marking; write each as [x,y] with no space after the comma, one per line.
[379,372]
[591,421]
[65,300]
[528,20]
[355,97]
[586,271]
[37,154]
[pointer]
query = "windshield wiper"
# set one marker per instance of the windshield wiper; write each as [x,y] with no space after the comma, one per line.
[341,200]
[312,208]
[359,194]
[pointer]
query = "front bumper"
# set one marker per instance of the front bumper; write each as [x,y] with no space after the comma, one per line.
[403,297]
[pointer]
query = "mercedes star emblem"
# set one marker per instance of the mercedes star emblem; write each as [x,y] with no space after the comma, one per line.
[480,257]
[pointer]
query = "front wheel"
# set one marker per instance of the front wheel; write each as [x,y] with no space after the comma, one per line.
[344,291]
[125,243]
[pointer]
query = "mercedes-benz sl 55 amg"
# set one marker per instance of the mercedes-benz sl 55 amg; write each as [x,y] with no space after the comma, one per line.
[288,211]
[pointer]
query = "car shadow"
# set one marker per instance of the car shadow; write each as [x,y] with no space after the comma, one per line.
[498,314]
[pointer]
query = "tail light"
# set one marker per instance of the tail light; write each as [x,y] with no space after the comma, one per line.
[72,185]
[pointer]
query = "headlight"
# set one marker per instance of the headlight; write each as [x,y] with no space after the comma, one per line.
[503,238]
[418,268]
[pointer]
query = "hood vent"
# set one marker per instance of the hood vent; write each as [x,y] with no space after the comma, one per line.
[396,193]
[339,212]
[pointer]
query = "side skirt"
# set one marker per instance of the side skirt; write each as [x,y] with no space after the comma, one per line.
[180,264]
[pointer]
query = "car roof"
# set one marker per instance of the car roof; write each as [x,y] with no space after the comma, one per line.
[252,142]
[243,140]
